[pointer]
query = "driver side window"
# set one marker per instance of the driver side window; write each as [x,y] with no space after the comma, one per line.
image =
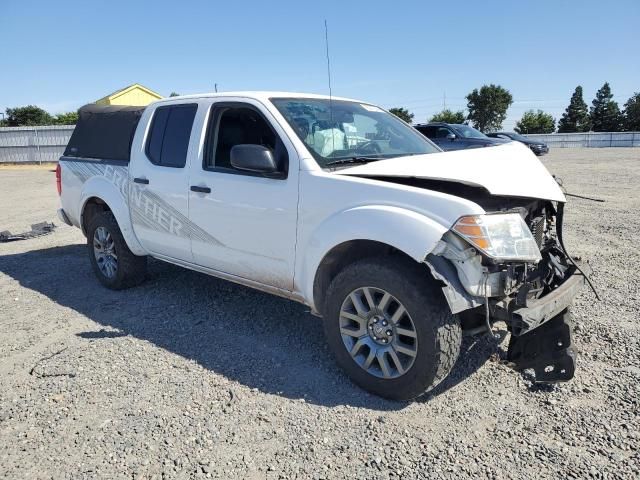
[232,125]
[443,132]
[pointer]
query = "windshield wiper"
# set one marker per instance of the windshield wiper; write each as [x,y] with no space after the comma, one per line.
[357,159]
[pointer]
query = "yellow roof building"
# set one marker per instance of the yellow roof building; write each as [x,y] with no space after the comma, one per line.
[134,94]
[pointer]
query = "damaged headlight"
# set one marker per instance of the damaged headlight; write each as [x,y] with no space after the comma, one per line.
[502,236]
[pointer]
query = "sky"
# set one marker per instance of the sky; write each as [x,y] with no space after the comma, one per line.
[420,55]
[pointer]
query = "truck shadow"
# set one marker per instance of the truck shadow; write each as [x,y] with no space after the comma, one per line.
[256,339]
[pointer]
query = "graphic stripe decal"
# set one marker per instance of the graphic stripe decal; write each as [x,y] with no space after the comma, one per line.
[147,208]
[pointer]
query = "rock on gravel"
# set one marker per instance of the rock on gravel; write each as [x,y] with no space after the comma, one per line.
[188,376]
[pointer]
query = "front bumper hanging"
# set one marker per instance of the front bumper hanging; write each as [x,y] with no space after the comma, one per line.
[541,310]
[541,333]
[547,350]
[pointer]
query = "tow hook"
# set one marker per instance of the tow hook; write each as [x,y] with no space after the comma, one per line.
[546,349]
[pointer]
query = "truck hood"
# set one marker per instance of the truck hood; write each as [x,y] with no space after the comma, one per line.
[506,170]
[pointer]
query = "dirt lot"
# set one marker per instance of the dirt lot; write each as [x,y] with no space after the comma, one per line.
[190,376]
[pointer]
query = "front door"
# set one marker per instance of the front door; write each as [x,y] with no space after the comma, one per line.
[250,218]
[158,196]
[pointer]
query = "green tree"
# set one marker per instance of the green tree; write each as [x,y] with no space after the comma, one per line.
[402,114]
[488,107]
[448,116]
[632,113]
[576,116]
[27,116]
[69,118]
[174,94]
[536,122]
[605,114]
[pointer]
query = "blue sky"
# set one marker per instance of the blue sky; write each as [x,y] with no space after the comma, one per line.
[62,54]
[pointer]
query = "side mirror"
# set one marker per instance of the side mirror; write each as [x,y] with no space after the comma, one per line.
[451,137]
[253,158]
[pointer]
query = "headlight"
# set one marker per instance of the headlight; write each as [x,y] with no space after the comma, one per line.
[502,236]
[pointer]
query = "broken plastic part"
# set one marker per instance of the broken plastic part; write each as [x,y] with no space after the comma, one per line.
[37,230]
[455,294]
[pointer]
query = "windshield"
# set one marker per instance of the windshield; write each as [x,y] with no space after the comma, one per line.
[468,132]
[340,130]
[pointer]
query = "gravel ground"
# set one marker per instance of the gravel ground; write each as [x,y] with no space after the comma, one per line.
[189,376]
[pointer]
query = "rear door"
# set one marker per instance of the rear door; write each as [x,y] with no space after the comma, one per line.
[249,219]
[158,197]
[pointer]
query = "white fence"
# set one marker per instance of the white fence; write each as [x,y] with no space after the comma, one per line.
[589,140]
[33,144]
[46,144]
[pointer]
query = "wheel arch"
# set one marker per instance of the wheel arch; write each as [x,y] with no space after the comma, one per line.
[100,195]
[343,255]
[359,233]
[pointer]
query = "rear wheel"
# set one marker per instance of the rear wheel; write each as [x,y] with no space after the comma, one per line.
[113,263]
[389,327]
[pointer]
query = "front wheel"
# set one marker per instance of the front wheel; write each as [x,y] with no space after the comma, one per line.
[390,328]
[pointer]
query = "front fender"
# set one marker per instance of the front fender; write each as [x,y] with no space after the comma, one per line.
[115,195]
[408,231]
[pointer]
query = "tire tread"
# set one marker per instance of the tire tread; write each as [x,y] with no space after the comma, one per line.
[131,268]
[419,288]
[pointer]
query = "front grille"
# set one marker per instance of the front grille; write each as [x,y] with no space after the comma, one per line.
[537,230]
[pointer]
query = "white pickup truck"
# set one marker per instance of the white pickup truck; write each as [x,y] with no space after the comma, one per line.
[339,205]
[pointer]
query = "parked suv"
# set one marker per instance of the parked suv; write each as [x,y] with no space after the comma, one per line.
[536,146]
[453,136]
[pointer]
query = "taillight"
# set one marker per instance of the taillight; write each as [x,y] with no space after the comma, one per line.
[59,180]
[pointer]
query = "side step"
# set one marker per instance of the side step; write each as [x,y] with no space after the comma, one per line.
[546,349]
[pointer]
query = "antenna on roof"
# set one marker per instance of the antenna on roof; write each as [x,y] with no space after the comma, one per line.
[326,42]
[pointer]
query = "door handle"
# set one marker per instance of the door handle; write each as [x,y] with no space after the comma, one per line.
[195,188]
[144,181]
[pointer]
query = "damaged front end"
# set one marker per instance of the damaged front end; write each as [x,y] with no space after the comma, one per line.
[510,265]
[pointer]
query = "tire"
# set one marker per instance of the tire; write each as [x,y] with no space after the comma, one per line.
[426,337]
[126,269]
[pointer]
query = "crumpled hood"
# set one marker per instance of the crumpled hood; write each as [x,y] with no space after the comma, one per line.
[508,170]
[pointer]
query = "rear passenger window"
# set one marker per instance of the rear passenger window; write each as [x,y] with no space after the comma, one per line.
[169,136]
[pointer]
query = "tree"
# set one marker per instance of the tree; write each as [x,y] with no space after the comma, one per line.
[536,122]
[632,113]
[69,118]
[402,114]
[605,114]
[488,107]
[174,94]
[27,116]
[576,117]
[448,116]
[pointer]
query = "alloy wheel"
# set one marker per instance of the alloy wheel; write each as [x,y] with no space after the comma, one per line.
[378,332]
[105,252]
